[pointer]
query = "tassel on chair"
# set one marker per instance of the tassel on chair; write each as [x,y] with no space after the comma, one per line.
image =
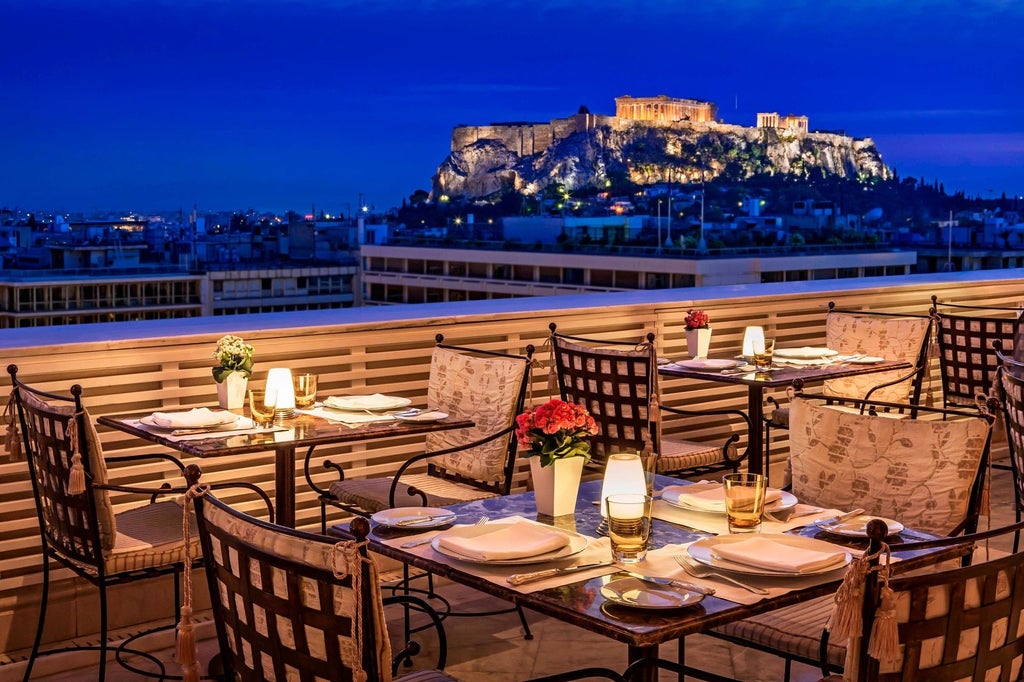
[76,478]
[13,435]
[884,644]
[846,619]
[187,651]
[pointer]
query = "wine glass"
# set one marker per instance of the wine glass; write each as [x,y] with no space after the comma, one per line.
[261,413]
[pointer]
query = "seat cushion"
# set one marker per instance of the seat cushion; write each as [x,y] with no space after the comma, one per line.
[150,536]
[371,494]
[426,676]
[677,455]
[793,631]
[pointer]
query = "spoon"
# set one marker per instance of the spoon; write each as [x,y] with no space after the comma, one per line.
[700,571]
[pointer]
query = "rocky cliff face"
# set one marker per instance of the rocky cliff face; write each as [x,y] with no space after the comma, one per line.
[650,154]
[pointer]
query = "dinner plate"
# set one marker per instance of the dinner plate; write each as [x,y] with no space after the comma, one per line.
[857,527]
[432,517]
[866,360]
[710,365]
[225,419]
[703,551]
[785,501]
[805,353]
[366,402]
[430,416]
[639,594]
[577,543]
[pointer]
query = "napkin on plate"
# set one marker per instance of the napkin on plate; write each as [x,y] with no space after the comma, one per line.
[196,418]
[707,496]
[377,401]
[762,552]
[517,540]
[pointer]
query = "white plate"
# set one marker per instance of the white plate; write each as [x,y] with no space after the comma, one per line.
[866,360]
[225,418]
[640,594]
[577,543]
[702,550]
[711,365]
[432,517]
[857,526]
[366,402]
[805,353]
[431,416]
[786,501]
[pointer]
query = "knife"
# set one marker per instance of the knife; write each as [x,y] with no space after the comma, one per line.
[683,585]
[414,520]
[520,578]
[836,520]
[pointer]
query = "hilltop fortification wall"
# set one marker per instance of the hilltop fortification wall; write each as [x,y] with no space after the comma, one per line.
[524,138]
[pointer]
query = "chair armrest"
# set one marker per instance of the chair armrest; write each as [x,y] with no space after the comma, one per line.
[737,414]
[899,380]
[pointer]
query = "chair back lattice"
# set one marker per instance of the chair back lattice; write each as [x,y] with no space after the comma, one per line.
[288,604]
[1010,387]
[967,358]
[925,472]
[617,383]
[891,336]
[489,388]
[56,434]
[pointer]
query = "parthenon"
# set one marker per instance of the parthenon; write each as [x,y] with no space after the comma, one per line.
[664,109]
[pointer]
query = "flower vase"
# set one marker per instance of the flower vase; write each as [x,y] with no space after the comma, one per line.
[555,487]
[698,341]
[231,391]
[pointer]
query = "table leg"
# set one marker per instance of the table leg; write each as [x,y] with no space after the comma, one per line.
[755,439]
[637,653]
[284,484]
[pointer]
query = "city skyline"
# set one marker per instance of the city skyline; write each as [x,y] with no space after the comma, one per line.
[291,105]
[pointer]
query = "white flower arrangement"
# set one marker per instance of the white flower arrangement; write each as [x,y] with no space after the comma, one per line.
[234,355]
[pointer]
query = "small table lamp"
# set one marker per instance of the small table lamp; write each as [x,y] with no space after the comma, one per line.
[753,341]
[281,392]
[624,473]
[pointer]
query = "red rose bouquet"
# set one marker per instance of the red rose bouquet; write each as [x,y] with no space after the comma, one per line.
[696,319]
[555,430]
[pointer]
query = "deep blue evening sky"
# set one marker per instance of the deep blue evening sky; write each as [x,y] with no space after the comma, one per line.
[230,104]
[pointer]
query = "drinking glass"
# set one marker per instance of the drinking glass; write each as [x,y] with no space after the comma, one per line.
[305,390]
[763,355]
[744,501]
[260,412]
[629,526]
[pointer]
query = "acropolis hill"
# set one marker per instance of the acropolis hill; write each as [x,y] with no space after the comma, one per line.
[650,139]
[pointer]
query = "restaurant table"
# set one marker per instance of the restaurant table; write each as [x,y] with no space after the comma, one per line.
[779,376]
[287,435]
[580,602]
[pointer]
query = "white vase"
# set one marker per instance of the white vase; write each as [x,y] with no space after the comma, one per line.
[555,487]
[698,341]
[231,391]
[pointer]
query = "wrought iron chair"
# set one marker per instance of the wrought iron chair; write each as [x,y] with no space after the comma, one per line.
[1010,391]
[78,527]
[955,624]
[618,384]
[894,336]
[927,471]
[966,338]
[463,465]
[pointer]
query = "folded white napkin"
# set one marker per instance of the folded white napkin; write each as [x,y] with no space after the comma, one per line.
[196,418]
[762,552]
[377,401]
[805,352]
[504,541]
[707,496]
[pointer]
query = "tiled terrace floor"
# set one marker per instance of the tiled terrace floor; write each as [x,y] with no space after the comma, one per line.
[492,649]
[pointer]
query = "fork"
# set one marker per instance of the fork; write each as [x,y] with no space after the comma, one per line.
[795,515]
[423,541]
[699,571]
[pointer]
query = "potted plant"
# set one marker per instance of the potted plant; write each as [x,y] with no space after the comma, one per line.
[698,334]
[232,373]
[555,438]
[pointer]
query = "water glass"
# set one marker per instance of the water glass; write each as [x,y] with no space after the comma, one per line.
[744,501]
[260,412]
[305,390]
[629,526]
[763,354]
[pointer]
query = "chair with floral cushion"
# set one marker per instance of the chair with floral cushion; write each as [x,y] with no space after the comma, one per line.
[926,471]
[77,524]
[617,382]
[893,336]
[456,466]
